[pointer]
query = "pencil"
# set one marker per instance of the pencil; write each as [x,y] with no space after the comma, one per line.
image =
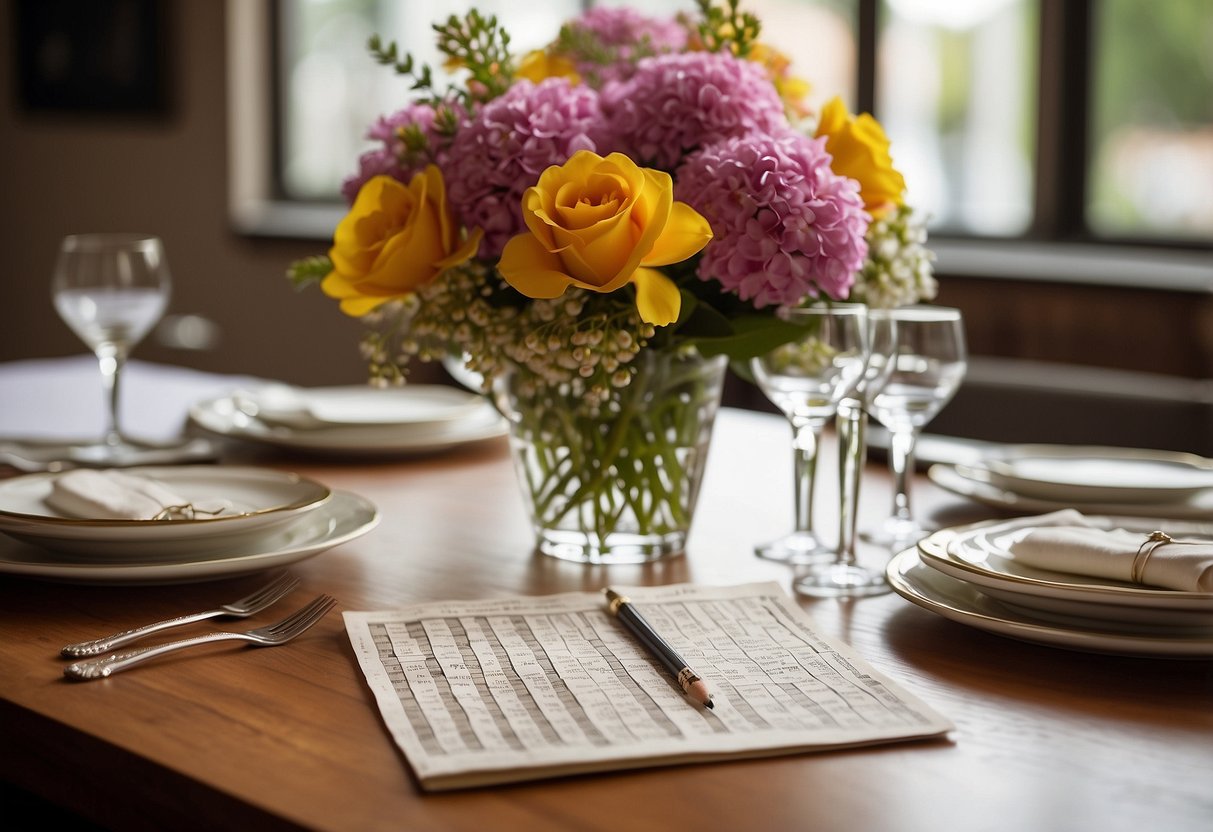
[690,682]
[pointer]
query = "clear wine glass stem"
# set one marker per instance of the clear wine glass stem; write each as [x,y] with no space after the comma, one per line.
[805,442]
[852,424]
[901,449]
[110,361]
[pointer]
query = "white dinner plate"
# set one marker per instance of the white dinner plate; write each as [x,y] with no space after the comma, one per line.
[964,603]
[224,416]
[318,408]
[341,519]
[980,554]
[975,484]
[261,500]
[1094,474]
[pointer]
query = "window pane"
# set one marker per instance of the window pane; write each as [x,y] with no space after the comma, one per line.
[333,88]
[955,90]
[1152,162]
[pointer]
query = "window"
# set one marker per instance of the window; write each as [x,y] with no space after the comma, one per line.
[1083,120]
[955,84]
[1151,136]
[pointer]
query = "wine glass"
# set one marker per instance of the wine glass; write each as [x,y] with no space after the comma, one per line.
[111,289]
[806,379]
[929,366]
[844,577]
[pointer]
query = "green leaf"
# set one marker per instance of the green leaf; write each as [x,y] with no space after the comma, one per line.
[700,319]
[751,336]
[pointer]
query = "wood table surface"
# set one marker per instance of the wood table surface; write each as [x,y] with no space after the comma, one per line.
[226,737]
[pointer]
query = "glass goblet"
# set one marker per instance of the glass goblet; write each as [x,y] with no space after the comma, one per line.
[930,364]
[806,378]
[845,577]
[111,289]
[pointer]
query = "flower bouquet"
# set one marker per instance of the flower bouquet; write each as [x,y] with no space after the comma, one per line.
[595,230]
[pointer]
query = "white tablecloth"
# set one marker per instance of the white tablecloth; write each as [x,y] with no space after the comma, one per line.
[62,398]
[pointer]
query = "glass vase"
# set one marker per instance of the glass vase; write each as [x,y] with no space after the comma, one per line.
[615,482]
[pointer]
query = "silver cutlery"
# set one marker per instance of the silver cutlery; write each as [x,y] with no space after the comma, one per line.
[241,608]
[271,635]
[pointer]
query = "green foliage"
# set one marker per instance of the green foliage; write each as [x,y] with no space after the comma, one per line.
[423,77]
[309,270]
[589,51]
[474,43]
[727,28]
[481,46]
[751,336]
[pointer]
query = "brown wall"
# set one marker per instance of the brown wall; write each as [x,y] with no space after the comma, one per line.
[165,176]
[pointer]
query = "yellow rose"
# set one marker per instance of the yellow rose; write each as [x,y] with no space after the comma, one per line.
[538,65]
[601,224]
[861,152]
[394,239]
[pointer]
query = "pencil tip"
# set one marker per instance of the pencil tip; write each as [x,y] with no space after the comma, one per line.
[709,705]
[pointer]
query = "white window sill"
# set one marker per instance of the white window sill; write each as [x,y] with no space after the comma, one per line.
[1075,263]
[1178,270]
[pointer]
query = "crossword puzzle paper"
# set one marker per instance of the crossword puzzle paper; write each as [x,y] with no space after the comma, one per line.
[482,692]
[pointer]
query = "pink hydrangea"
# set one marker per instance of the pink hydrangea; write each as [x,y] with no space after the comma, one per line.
[676,104]
[507,143]
[390,158]
[785,226]
[622,36]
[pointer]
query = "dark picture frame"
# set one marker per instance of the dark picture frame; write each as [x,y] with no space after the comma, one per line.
[100,57]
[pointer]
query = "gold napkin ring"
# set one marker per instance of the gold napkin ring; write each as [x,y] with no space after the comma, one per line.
[1153,540]
[185,512]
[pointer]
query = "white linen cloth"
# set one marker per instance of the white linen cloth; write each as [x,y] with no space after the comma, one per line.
[48,399]
[89,494]
[1065,541]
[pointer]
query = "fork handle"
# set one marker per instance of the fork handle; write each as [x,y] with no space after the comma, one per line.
[101,668]
[103,645]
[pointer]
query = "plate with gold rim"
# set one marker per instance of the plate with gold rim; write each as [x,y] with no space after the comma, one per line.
[260,499]
[340,520]
[980,554]
[963,603]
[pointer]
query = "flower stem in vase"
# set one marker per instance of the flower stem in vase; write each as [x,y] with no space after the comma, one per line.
[616,482]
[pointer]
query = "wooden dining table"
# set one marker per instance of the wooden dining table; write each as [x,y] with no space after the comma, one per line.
[228,737]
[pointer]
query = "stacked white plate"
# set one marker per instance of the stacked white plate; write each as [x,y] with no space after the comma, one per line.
[1119,481]
[276,518]
[969,574]
[352,420]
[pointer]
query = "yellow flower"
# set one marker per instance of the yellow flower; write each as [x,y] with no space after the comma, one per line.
[861,152]
[538,65]
[601,224]
[394,240]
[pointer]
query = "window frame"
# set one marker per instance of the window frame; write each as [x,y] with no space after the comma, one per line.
[1057,246]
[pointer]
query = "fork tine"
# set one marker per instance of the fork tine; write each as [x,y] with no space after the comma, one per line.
[304,617]
[274,590]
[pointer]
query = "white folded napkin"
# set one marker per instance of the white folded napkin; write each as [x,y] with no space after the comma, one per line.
[353,406]
[279,404]
[90,494]
[1067,542]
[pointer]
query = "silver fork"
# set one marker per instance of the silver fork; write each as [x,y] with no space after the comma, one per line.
[270,635]
[241,608]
